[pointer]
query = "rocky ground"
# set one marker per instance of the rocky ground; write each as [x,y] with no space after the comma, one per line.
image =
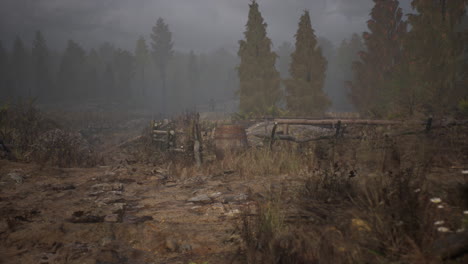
[118,214]
[129,211]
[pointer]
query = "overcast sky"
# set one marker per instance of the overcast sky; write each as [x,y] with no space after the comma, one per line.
[200,25]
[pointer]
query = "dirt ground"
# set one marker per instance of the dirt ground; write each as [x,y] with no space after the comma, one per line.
[125,211]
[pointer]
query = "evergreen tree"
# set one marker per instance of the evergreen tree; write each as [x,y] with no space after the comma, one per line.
[41,64]
[71,76]
[308,67]
[124,72]
[4,90]
[193,76]
[141,64]
[434,49]
[327,47]
[93,70]
[369,90]
[341,71]
[259,80]
[20,70]
[162,52]
[108,81]
[347,53]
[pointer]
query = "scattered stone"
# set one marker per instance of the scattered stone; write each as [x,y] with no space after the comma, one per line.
[215,195]
[171,245]
[113,218]
[85,217]
[202,198]
[233,212]
[119,206]
[108,187]
[235,198]
[63,187]
[130,219]
[110,173]
[17,176]
[186,247]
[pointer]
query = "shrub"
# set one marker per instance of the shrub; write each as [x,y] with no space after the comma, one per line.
[63,149]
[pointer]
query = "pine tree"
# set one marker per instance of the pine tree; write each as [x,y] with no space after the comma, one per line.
[108,81]
[383,54]
[162,52]
[434,49]
[41,64]
[4,90]
[327,47]
[141,64]
[20,70]
[308,66]
[347,53]
[94,69]
[193,76]
[259,80]
[341,71]
[71,76]
[124,70]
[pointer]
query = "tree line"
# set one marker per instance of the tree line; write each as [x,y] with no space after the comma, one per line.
[398,68]
[152,76]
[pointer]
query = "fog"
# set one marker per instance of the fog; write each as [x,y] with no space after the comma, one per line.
[209,28]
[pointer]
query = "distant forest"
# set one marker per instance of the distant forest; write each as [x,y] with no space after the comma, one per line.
[399,67]
[107,75]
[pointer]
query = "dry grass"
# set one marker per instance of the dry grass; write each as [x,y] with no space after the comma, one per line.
[21,124]
[33,137]
[367,201]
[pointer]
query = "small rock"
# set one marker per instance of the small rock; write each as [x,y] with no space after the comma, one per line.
[113,218]
[203,198]
[108,187]
[172,245]
[218,206]
[119,206]
[233,212]
[110,173]
[215,195]
[236,198]
[186,247]
[17,177]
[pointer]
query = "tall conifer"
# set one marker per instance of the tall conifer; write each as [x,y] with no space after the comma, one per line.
[141,64]
[162,52]
[307,70]
[19,65]
[41,64]
[434,48]
[259,80]
[383,42]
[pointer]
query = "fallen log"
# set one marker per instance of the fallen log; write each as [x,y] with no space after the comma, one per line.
[293,139]
[332,122]
[160,132]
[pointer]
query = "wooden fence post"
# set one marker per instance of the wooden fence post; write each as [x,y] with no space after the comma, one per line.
[273,134]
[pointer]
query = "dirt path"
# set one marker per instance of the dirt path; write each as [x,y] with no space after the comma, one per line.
[120,214]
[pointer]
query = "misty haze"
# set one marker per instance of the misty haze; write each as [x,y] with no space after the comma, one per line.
[222,131]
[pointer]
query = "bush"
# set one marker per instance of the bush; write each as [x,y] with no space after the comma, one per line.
[63,149]
[21,124]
